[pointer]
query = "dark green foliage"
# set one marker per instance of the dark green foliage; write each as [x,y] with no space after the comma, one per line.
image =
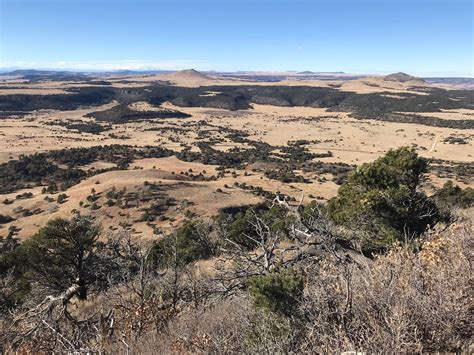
[92,197]
[279,292]
[159,202]
[189,243]
[295,157]
[7,260]
[456,140]
[380,106]
[398,167]
[33,170]
[382,198]
[451,195]
[5,219]
[297,151]
[62,198]
[13,292]
[123,114]
[284,175]
[71,101]
[24,195]
[62,254]
[122,155]
[374,105]
[44,168]
[88,127]
[52,188]
[240,227]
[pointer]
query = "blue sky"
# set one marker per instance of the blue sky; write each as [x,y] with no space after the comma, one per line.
[421,37]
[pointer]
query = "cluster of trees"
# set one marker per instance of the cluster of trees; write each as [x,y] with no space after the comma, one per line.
[234,158]
[450,196]
[48,168]
[283,175]
[88,127]
[45,168]
[463,172]
[380,107]
[374,105]
[33,170]
[299,153]
[71,101]
[456,140]
[293,157]
[123,114]
[80,126]
[422,119]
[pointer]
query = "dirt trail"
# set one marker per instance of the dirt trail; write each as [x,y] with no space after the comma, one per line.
[346,150]
[433,146]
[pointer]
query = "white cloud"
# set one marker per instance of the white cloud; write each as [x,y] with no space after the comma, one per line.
[132,64]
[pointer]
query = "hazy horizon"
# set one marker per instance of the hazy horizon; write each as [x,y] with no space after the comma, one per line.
[282,72]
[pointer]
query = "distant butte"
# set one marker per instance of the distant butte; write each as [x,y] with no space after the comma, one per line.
[190,73]
[402,77]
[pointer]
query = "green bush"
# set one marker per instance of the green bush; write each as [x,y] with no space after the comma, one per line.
[241,229]
[13,292]
[382,198]
[451,195]
[5,219]
[61,254]
[190,243]
[279,292]
[62,198]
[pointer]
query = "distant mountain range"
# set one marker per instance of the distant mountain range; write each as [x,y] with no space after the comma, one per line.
[35,74]
[308,72]
[30,72]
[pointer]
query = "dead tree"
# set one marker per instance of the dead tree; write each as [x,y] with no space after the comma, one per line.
[137,295]
[50,326]
[310,234]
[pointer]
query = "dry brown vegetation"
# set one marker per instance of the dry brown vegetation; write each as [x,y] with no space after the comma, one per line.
[401,302]
[416,298]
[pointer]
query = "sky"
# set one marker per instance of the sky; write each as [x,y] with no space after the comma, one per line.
[420,37]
